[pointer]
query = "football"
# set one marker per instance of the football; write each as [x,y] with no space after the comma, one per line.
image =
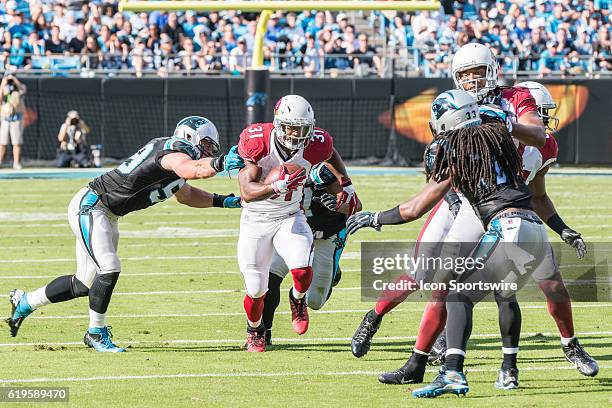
[272,176]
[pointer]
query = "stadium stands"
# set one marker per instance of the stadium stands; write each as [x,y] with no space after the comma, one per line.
[547,37]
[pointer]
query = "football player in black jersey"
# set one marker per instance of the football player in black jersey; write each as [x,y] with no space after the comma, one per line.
[153,174]
[327,220]
[479,160]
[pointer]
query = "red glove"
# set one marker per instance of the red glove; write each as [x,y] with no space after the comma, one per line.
[348,196]
[288,182]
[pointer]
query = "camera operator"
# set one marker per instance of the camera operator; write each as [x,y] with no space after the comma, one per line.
[12,108]
[73,142]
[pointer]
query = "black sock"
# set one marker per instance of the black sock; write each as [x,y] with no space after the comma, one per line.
[58,290]
[417,360]
[509,361]
[272,300]
[374,316]
[454,362]
[65,288]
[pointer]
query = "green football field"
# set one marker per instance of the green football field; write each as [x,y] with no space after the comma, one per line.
[178,309]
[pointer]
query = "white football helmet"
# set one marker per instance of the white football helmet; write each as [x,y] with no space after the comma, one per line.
[200,132]
[452,110]
[475,55]
[545,102]
[294,121]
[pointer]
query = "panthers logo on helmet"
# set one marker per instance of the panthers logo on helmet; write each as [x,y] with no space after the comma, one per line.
[193,121]
[442,105]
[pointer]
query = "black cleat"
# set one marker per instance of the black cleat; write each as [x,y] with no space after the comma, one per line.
[508,379]
[437,355]
[411,373]
[337,277]
[575,354]
[362,339]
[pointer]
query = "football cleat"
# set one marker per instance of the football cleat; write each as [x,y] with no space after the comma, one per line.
[337,277]
[362,339]
[20,309]
[447,382]
[575,354]
[256,339]
[299,313]
[507,379]
[437,355]
[411,373]
[100,339]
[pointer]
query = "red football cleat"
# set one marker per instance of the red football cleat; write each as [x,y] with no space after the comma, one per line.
[256,339]
[299,314]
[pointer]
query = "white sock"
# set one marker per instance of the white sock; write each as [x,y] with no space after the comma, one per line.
[255,324]
[38,298]
[96,319]
[564,340]
[297,295]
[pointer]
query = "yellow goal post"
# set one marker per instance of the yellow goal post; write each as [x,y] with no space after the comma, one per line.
[267,7]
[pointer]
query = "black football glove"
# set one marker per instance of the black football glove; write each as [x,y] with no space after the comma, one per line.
[327,200]
[361,220]
[574,239]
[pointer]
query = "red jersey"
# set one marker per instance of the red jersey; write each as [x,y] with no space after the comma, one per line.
[517,100]
[535,159]
[257,145]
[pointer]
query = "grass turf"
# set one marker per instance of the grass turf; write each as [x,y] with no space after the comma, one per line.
[178,309]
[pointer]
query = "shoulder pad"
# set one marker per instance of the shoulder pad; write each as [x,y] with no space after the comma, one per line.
[176,144]
[254,141]
[320,146]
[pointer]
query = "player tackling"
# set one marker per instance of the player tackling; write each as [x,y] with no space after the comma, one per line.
[153,174]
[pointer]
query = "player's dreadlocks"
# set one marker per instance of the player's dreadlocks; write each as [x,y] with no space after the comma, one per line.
[469,155]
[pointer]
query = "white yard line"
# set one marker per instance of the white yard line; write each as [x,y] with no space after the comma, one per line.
[131,245]
[417,307]
[347,255]
[253,374]
[287,340]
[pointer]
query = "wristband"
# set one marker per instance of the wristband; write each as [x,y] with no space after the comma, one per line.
[556,223]
[218,200]
[345,182]
[389,217]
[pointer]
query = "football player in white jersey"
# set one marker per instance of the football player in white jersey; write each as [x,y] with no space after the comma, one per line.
[272,216]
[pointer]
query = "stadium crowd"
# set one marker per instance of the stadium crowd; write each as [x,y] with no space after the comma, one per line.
[544,36]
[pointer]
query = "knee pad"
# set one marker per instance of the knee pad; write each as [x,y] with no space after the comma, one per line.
[255,290]
[315,299]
